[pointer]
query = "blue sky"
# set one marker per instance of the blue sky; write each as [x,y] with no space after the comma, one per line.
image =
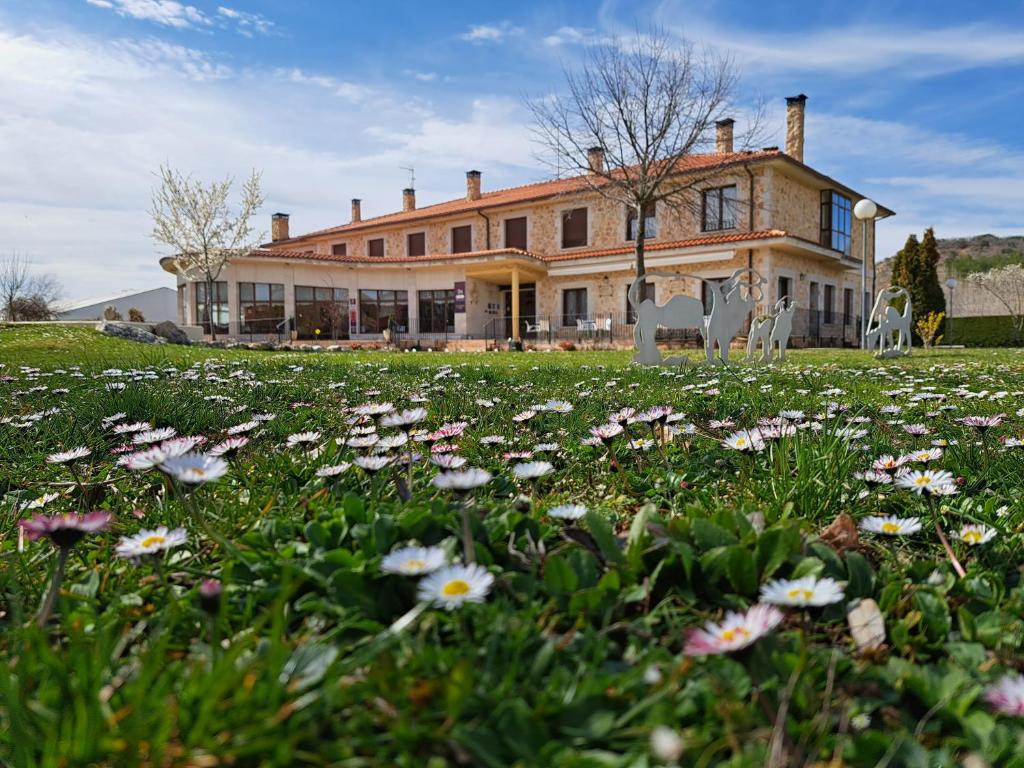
[918,105]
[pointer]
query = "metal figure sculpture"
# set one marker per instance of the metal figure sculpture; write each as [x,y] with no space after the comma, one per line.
[888,329]
[771,332]
[728,311]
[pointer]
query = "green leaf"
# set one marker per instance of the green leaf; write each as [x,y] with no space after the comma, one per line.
[773,547]
[861,577]
[809,566]
[559,577]
[708,535]
[602,532]
[741,570]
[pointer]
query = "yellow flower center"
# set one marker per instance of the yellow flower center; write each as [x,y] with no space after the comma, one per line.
[890,527]
[198,472]
[412,565]
[972,537]
[800,593]
[923,480]
[152,541]
[741,441]
[455,587]
[728,635]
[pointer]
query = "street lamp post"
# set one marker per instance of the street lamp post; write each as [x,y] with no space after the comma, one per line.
[951,283]
[866,211]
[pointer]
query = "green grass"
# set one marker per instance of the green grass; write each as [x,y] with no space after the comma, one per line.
[577,652]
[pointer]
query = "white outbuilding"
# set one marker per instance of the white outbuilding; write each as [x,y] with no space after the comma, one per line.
[156,305]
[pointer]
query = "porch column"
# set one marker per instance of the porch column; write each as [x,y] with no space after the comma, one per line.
[515,303]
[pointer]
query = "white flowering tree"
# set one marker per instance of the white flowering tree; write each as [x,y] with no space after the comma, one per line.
[1006,285]
[196,222]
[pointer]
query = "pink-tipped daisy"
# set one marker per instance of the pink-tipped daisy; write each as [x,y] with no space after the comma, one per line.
[736,631]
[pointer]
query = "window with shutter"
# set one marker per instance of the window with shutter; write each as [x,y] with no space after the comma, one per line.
[515,233]
[574,228]
[375,247]
[416,244]
[462,239]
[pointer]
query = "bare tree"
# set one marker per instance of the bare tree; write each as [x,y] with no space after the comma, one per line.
[195,220]
[646,104]
[1006,285]
[24,293]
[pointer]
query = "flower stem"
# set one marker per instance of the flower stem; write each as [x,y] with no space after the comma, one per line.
[51,596]
[949,550]
[469,551]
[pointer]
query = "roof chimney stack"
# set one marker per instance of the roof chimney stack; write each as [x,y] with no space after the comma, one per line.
[795,108]
[357,215]
[723,136]
[279,227]
[408,199]
[472,185]
[595,159]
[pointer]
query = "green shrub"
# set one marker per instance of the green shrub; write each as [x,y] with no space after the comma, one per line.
[988,331]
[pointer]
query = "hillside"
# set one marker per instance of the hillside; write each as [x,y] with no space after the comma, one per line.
[968,299]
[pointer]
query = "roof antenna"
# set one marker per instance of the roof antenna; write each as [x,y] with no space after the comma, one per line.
[412,175]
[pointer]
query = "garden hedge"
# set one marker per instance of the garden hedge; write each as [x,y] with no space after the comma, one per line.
[988,331]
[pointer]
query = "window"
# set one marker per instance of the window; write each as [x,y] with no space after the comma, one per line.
[847,306]
[835,221]
[719,208]
[219,307]
[437,311]
[515,233]
[462,239]
[574,304]
[375,247]
[383,309]
[706,296]
[650,222]
[785,288]
[830,301]
[416,244]
[323,309]
[646,292]
[339,249]
[261,306]
[574,228]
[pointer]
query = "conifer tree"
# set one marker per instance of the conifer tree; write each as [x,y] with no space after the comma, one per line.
[931,299]
[903,265]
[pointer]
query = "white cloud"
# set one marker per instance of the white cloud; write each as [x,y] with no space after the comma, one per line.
[576,36]
[169,13]
[491,33]
[88,121]
[423,77]
[247,24]
[353,92]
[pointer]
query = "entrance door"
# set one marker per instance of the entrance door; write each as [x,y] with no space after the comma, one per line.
[527,308]
[815,316]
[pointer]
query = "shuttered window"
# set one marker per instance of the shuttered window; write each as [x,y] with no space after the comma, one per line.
[462,239]
[375,247]
[574,228]
[416,244]
[340,249]
[515,233]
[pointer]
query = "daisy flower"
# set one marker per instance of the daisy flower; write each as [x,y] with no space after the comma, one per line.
[229,445]
[372,464]
[154,435]
[873,477]
[195,468]
[888,463]
[532,470]
[568,511]
[40,501]
[147,542]
[447,460]
[736,631]
[66,529]
[301,437]
[414,561]
[333,470]
[924,456]
[976,534]
[143,460]
[927,482]
[245,426]
[808,591]
[744,440]
[982,423]
[461,481]
[891,525]
[1007,696]
[455,585]
[403,419]
[63,457]
[607,432]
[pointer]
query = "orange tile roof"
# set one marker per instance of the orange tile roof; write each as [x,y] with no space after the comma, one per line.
[524,193]
[721,238]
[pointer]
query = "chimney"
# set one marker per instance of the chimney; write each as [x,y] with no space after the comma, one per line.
[795,107]
[472,185]
[595,159]
[356,210]
[408,199]
[723,135]
[279,227]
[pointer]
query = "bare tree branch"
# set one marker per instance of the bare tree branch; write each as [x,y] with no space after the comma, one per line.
[647,104]
[196,222]
[24,293]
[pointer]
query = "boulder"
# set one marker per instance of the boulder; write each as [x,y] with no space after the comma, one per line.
[132,333]
[171,332]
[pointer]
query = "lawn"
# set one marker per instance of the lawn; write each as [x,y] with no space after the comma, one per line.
[669,567]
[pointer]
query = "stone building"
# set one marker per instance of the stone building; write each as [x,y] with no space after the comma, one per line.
[554,259]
